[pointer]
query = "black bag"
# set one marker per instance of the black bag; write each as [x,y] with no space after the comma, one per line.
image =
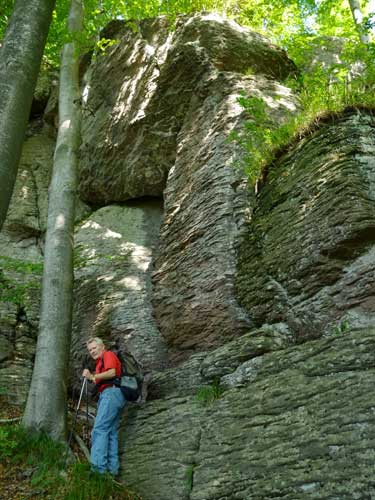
[132,375]
[131,378]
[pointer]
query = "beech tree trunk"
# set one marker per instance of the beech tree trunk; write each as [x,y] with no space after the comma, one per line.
[46,403]
[20,56]
[357,14]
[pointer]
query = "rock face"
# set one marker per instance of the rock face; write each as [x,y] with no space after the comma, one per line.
[21,255]
[297,423]
[309,258]
[139,93]
[21,265]
[113,252]
[162,106]
[205,214]
[213,290]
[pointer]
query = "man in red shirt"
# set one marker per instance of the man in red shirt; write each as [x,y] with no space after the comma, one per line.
[104,437]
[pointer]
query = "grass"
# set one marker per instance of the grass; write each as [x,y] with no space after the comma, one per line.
[209,394]
[35,468]
[321,97]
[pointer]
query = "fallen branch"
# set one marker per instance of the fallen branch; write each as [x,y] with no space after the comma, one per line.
[82,445]
[9,420]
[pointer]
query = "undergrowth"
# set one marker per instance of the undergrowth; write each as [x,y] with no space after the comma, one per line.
[43,462]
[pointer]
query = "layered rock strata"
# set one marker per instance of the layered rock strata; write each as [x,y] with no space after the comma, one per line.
[293,424]
[309,258]
[206,207]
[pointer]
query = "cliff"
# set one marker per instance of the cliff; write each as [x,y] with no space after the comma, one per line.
[252,313]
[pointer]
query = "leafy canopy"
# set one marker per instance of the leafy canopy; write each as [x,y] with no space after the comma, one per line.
[289,23]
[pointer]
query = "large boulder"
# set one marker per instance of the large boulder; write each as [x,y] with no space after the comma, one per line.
[309,256]
[138,94]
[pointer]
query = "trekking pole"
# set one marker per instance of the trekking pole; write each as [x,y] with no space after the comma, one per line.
[87,405]
[84,384]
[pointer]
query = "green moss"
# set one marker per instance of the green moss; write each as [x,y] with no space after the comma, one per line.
[82,259]
[20,266]
[18,290]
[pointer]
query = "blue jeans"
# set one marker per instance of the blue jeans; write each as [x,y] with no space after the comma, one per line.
[104,446]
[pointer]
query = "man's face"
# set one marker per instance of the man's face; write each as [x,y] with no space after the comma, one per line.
[95,350]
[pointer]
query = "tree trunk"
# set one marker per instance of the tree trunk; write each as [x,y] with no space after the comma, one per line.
[355,7]
[46,403]
[20,56]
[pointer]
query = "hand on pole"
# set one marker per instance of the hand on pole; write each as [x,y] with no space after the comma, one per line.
[87,375]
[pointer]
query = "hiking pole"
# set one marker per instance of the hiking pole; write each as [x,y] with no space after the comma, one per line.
[84,384]
[87,405]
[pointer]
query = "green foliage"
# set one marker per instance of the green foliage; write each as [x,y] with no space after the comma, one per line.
[283,21]
[20,266]
[5,12]
[38,453]
[190,476]
[258,138]
[209,394]
[45,459]
[8,444]
[321,91]
[341,328]
[17,291]
[86,485]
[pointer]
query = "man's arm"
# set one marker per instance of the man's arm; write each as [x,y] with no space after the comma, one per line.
[95,377]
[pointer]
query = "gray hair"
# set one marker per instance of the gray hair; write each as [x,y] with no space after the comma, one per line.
[98,341]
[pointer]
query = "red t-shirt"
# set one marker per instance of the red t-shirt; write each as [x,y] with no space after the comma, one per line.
[105,362]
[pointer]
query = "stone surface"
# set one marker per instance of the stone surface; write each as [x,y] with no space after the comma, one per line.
[113,252]
[21,244]
[295,419]
[300,426]
[205,368]
[160,107]
[27,214]
[19,315]
[138,94]
[206,208]
[309,257]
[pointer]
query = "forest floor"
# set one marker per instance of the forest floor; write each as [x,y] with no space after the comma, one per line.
[30,474]
[13,482]
[16,476]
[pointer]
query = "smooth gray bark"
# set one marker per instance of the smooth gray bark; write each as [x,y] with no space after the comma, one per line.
[20,58]
[46,403]
[357,14]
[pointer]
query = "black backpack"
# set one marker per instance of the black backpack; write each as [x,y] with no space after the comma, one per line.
[132,375]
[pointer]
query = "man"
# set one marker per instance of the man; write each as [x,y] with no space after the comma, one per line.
[104,437]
